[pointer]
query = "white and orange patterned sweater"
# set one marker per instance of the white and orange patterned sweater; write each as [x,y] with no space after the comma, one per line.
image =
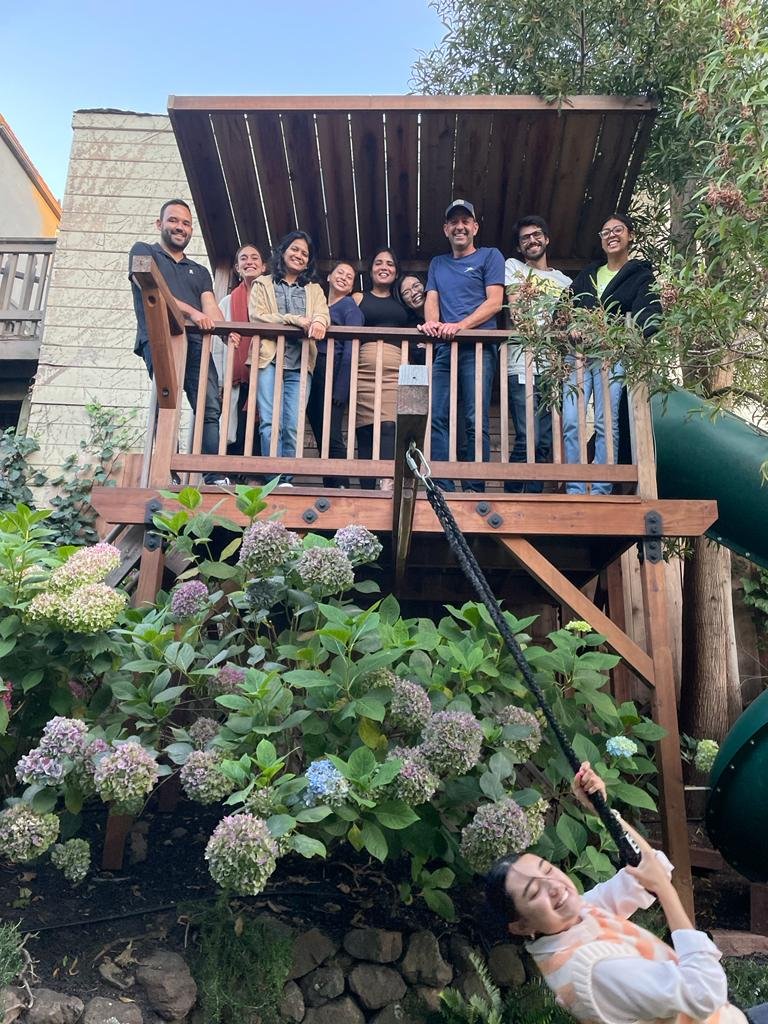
[607,970]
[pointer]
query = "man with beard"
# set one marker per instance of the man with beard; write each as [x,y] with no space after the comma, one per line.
[191,286]
[533,289]
[465,291]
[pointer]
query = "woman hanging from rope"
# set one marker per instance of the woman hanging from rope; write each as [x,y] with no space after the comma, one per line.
[603,968]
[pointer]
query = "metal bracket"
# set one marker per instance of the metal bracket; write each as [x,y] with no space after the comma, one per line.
[650,547]
[152,540]
[152,506]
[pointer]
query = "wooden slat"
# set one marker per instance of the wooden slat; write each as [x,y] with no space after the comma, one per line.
[606,372]
[539,173]
[435,190]
[202,387]
[333,139]
[638,153]
[641,439]
[352,408]
[402,179]
[277,396]
[370,188]
[411,419]
[621,683]
[436,104]
[302,413]
[578,145]
[504,402]
[235,150]
[197,148]
[325,441]
[253,386]
[7,280]
[470,171]
[478,402]
[453,402]
[226,400]
[605,180]
[269,154]
[505,155]
[300,142]
[557,437]
[377,399]
[530,420]
[564,591]
[428,436]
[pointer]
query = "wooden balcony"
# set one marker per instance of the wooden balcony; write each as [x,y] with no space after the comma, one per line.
[25,265]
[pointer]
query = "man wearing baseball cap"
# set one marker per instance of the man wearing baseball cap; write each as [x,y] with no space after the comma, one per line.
[465,291]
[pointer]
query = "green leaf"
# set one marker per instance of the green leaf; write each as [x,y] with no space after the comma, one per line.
[6,646]
[3,719]
[633,795]
[369,733]
[361,763]
[395,814]
[234,702]
[31,679]
[367,587]
[492,787]
[368,707]
[218,570]
[585,749]
[171,694]
[306,678]
[266,754]
[443,878]
[312,814]
[649,731]
[44,801]
[307,846]
[374,841]
[571,833]
[440,903]
[386,772]
[280,824]
[189,497]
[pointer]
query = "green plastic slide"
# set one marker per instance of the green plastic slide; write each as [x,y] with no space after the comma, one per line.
[702,453]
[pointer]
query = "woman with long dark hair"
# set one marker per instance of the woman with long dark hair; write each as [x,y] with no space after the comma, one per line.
[621,285]
[288,296]
[381,306]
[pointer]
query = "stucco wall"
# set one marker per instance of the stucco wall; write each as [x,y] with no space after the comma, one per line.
[122,167]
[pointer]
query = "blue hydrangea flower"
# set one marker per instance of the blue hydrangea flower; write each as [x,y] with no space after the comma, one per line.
[326,784]
[621,746]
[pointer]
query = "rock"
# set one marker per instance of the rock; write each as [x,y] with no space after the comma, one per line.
[179,833]
[274,926]
[340,1011]
[506,966]
[396,1013]
[99,1011]
[115,975]
[11,1004]
[423,963]
[168,984]
[322,985]
[52,1007]
[292,1004]
[428,997]
[376,986]
[375,944]
[459,950]
[310,949]
[470,984]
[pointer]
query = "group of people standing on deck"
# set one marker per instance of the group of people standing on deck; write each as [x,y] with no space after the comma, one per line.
[465,289]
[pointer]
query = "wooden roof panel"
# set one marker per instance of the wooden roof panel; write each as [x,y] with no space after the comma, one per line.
[355,171]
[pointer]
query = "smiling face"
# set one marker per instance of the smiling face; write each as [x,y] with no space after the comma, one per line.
[175,228]
[249,264]
[296,257]
[342,279]
[460,230]
[546,900]
[412,292]
[615,239]
[383,270]
[532,242]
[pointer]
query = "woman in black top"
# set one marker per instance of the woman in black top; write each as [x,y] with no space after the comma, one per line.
[381,307]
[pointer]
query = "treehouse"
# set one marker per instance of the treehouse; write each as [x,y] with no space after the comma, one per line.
[357,172]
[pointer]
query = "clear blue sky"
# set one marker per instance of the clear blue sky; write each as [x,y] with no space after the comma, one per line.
[63,56]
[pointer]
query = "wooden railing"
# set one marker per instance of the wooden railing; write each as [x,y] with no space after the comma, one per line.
[311,460]
[25,265]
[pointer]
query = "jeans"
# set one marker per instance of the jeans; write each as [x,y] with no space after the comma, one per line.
[210,441]
[441,399]
[592,387]
[364,437]
[289,412]
[542,434]
[315,414]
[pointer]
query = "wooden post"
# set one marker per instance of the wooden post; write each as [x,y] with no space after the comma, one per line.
[620,678]
[150,569]
[412,413]
[118,827]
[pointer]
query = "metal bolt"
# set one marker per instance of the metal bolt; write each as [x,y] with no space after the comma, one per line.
[309,516]
[495,520]
[322,504]
[482,508]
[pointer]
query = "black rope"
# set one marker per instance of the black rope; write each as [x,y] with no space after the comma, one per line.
[628,852]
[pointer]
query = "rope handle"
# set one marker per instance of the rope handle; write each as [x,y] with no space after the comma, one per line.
[629,852]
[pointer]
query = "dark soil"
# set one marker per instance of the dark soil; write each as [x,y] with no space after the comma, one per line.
[75,929]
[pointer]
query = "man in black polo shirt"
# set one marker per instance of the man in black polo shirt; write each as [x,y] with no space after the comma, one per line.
[191,286]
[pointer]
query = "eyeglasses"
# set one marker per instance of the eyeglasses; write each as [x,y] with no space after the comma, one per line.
[536,236]
[607,232]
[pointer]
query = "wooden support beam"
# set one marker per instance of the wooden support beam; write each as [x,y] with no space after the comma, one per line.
[150,570]
[411,425]
[145,272]
[556,584]
[674,824]
[614,585]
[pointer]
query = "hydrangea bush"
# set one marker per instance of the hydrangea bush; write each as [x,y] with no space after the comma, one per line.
[314,715]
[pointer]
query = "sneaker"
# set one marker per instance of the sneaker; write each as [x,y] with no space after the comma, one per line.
[222,481]
[285,483]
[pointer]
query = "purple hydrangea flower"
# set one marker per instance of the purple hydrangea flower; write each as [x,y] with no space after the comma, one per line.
[358,544]
[202,777]
[267,546]
[523,747]
[228,679]
[496,830]
[92,608]
[87,565]
[24,834]
[452,742]
[415,783]
[410,707]
[325,570]
[72,858]
[203,730]
[125,776]
[241,854]
[189,599]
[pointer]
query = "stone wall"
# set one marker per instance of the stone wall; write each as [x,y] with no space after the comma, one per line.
[122,167]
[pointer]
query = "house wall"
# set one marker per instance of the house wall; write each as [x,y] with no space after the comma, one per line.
[23,211]
[122,167]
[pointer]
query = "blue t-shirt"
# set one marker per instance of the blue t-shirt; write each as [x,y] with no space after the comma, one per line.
[461,283]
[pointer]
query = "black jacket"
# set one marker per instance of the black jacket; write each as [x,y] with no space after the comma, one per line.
[630,291]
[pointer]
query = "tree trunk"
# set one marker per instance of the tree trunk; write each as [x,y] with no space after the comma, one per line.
[710,696]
